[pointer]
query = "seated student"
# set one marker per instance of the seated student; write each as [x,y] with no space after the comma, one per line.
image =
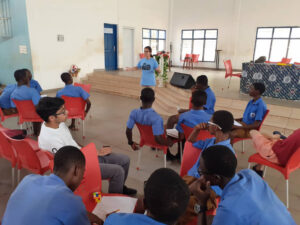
[254,113]
[73,91]
[49,200]
[165,199]
[246,198]
[147,116]
[274,149]
[55,134]
[33,83]
[5,102]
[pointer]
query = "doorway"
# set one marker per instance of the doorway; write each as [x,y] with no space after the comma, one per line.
[128,47]
[110,46]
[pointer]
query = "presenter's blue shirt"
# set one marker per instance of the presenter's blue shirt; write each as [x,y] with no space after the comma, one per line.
[146,117]
[44,200]
[130,219]
[5,102]
[247,199]
[191,118]
[210,101]
[25,93]
[73,91]
[255,111]
[148,67]
[34,84]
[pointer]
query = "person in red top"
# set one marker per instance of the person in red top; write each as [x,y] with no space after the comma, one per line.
[274,148]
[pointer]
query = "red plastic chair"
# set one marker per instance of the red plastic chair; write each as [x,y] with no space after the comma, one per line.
[30,156]
[190,156]
[76,109]
[4,117]
[269,62]
[86,87]
[286,60]
[228,69]
[142,55]
[92,178]
[243,139]
[147,138]
[187,62]
[7,152]
[195,58]
[203,134]
[292,165]
[27,112]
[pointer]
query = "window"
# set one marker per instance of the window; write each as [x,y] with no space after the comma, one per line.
[154,38]
[5,20]
[202,42]
[278,42]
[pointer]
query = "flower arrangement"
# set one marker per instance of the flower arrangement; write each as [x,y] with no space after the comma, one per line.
[162,59]
[74,70]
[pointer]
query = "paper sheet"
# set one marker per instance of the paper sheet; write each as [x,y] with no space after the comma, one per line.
[109,204]
[236,123]
[172,133]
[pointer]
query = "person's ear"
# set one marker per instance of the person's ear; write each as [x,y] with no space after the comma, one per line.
[51,118]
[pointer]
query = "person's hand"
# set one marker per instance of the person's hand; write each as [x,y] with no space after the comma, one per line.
[201,126]
[135,146]
[94,219]
[201,189]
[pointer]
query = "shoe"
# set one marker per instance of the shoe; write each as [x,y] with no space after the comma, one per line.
[259,172]
[281,136]
[170,157]
[129,191]
[153,149]
[177,156]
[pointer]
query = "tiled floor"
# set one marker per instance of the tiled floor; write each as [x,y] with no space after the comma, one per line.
[107,127]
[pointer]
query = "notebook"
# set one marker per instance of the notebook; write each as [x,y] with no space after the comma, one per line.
[172,133]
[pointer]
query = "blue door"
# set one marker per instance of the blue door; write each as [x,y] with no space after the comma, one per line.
[110,46]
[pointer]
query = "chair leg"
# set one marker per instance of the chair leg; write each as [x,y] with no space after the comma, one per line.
[19,176]
[243,146]
[181,154]
[83,133]
[165,160]
[139,159]
[249,165]
[265,171]
[21,126]
[287,193]
[12,177]
[156,152]
[229,82]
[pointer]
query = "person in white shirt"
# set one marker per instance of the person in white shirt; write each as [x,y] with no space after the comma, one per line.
[55,134]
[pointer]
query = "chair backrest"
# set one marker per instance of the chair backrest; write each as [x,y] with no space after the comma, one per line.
[75,106]
[228,67]
[286,60]
[147,137]
[92,177]
[86,87]
[1,115]
[6,149]
[142,55]
[27,112]
[188,55]
[293,163]
[195,57]
[189,158]
[265,116]
[203,134]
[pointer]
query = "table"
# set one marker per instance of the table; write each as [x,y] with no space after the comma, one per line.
[281,82]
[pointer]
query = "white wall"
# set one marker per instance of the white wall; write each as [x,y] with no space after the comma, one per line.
[81,23]
[236,21]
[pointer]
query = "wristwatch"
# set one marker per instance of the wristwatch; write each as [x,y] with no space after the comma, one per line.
[199,209]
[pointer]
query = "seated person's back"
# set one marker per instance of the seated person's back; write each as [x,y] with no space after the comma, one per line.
[165,198]
[33,83]
[23,91]
[49,200]
[5,96]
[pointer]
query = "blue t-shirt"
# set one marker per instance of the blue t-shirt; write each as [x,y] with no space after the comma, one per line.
[24,93]
[191,118]
[146,117]
[73,91]
[210,101]
[44,200]
[247,199]
[254,111]
[5,96]
[148,67]
[130,219]
[204,144]
[34,84]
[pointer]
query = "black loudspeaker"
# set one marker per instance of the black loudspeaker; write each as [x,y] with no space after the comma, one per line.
[182,80]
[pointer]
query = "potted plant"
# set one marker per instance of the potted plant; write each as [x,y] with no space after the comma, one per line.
[162,59]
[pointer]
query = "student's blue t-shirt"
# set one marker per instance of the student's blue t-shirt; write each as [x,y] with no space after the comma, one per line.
[146,117]
[247,199]
[24,93]
[210,101]
[73,91]
[191,118]
[148,67]
[5,96]
[255,111]
[130,219]
[44,200]
[34,84]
